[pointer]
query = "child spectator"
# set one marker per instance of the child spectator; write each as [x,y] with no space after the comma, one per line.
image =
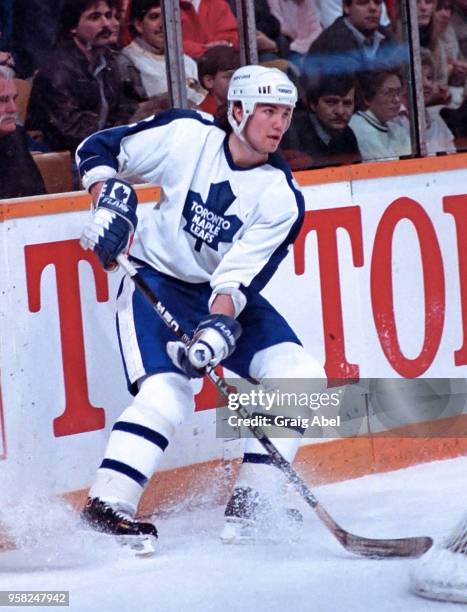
[215,69]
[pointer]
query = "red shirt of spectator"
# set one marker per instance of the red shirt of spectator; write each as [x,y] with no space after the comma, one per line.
[212,24]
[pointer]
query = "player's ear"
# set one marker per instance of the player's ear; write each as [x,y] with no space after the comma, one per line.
[238,112]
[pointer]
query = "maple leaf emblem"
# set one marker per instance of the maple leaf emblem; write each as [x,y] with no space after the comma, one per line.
[207,221]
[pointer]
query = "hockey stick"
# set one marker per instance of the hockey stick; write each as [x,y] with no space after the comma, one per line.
[366,547]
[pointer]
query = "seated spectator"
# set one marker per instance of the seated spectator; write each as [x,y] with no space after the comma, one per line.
[459,23]
[456,120]
[355,42]
[439,138]
[378,135]
[300,23]
[207,24]
[19,175]
[35,33]
[143,63]
[321,136]
[449,67]
[330,10]
[269,40]
[215,69]
[79,90]
[429,40]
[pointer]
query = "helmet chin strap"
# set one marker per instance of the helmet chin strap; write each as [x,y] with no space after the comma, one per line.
[239,128]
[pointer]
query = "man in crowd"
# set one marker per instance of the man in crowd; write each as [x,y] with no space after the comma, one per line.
[354,42]
[79,89]
[143,60]
[19,175]
[321,136]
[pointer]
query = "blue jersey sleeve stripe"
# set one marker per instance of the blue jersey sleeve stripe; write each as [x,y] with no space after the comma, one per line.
[263,277]
[103,148]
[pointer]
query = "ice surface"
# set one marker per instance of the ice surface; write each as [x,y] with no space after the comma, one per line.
[194,572]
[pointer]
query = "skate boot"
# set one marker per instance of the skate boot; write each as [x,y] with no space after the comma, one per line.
[114,520]
[250,517]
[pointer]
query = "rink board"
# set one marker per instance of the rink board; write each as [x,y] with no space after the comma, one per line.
[379,288]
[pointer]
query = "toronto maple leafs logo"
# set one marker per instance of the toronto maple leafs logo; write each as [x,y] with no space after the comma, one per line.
[207,221]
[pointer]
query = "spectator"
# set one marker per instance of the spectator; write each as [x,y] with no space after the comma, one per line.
[429,40]
[449,66]
[456,120]
[378,135]
[19,175]
[215,69]
[270,43]
[355,42]
[321,136]
[143,61]
[300,23]
[79,90]
[35,32]
[207,24]
[439,138]
[459,23]
[330,10]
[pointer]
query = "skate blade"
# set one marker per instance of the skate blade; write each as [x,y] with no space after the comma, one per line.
[238,531]
[439,594]
[140,546]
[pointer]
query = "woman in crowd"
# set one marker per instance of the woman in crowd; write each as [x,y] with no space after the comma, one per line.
[378,135]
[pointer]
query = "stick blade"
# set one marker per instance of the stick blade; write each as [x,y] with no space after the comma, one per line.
[385,549]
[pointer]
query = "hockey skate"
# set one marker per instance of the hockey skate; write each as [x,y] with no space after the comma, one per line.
[251,518]
[110,519]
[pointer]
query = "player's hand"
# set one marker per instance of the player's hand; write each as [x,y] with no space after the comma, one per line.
[215,339]
[113,222]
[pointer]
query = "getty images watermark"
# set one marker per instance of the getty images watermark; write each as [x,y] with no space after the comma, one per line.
[293,411]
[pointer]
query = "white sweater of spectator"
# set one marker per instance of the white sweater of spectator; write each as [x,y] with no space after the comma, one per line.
[152,68]
[378,140]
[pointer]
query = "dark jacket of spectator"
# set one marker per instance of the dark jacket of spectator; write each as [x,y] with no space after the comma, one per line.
[317,147]
[19,175]
[35,33]
[337,50]
[66,102]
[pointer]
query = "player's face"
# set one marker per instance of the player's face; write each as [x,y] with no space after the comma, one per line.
[150,29]
[364,14]
[94,28]
[334,112]
[386,104]
[266,127]
[8,109]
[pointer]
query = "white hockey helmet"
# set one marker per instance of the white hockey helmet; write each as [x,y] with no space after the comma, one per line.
[253,85]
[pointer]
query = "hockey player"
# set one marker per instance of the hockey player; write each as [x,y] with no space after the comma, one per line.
[229,211]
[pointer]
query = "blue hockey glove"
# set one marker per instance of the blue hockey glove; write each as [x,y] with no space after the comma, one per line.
[214,340]
[113,222]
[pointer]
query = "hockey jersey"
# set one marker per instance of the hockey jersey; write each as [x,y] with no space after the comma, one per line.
[216,222]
